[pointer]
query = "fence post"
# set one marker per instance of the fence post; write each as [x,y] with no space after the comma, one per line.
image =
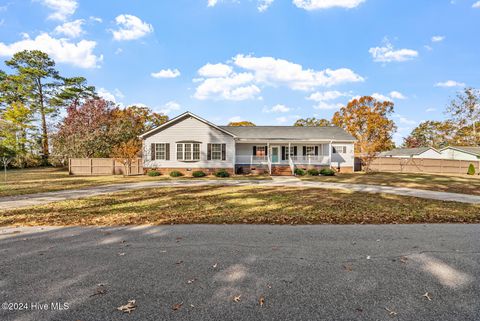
[113,166]
[69,166]
[91,166]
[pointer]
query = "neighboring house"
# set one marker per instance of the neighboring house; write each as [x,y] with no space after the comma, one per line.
[419,152]
[461,153]
[188,142]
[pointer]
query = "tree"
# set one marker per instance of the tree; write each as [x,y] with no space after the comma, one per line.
[367,119]
[74,91]
[242,123]
[312,122]
[6,156]
[430,133]
[126,153]
[37,70]
[465,111]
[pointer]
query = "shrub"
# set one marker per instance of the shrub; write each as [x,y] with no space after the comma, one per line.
[299,172]
[175,174]
[313,172]
[222,173]
[198,174]
[327,172]
[471,170]
[153,173]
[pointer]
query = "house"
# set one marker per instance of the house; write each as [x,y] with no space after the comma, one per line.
[188,142]
[461,153]
[419,152]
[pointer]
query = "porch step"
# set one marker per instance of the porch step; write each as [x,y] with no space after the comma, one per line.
[281,171]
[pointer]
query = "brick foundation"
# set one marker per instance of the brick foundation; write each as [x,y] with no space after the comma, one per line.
[187,171]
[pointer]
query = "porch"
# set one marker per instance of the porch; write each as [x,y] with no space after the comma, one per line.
[285,154]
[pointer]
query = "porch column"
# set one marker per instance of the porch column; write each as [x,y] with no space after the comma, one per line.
[289,151]
[330,153]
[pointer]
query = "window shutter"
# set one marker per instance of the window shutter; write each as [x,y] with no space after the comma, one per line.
[283,152]
[266,150]
[167,151]
[294,150]
[254,151]
[316,150]
[209,151]
[152,151]
[304,150]
[224,151]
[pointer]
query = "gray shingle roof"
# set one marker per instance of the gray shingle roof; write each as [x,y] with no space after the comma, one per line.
[468,149]
[404,151]
[289,132]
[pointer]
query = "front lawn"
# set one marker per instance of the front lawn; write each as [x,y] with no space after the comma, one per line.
[49,179]
[434,182]
[246,204]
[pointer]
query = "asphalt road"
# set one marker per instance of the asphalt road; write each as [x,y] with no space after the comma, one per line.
[194,272]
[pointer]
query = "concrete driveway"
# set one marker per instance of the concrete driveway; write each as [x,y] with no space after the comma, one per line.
[198,272]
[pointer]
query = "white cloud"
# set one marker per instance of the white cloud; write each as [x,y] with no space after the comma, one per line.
[263,5]
[387,53]
[71,29]
[105,94]
[326,95]
[322,105]
[275,71]
[381,97]
[438,38]
[166,73]
[281,120]
[96,19]
[130,28]
[450,83]
[326,4]
[212,3]
[2,22]
[79,54]
[430,110]
[235,119]
[118,93]
[169,107]
[118,51]
[476,5]
[62,9]
[397,95]
[215,70]
[221,81]
[404,120]
[279,108]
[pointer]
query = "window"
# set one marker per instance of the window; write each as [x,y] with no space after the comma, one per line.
[260,151]
[339,149]
[216,151]
[310,150]
[188,151]
[289,152]
[159,151]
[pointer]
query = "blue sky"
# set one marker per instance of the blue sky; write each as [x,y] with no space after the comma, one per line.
[267,61]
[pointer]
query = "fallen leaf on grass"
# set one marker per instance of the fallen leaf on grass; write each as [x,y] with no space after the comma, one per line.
[427,295]
[191,281]
[237,298]
[100,290]
[261,301]
[348,267]
[177,306]
[391,312]
[215,265]
[129,307]
[121,254]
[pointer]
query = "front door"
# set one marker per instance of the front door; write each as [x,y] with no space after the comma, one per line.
[274,154]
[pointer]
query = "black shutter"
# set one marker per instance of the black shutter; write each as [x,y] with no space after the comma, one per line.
[316,150]
[266,150]
[209,151]
[254,150]
[304,150]
[167,151]
[294,150]
[224,151]
[283,152]
[152,151]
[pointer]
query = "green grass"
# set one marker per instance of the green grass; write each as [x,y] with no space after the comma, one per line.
[252,204]
[48,179]
[443,183]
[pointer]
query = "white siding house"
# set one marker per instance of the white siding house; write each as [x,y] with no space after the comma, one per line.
[420,152]
[461,153]
[188,142]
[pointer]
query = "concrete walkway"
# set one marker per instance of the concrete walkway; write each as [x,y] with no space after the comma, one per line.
[12,202]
